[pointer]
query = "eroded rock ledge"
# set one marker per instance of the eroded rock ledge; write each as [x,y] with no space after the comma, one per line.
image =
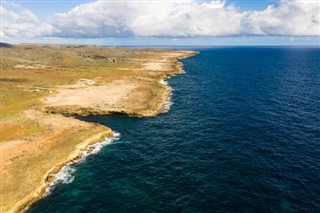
[143,95]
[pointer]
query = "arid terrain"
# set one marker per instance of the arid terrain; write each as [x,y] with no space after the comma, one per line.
[41,83]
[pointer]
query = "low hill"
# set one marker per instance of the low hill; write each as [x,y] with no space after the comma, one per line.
[5,45]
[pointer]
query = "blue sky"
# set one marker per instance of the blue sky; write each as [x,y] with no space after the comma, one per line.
[48,7]
[44,8]
[230,22]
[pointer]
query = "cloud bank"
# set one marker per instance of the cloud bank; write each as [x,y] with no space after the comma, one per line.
[101,19]
[20,22]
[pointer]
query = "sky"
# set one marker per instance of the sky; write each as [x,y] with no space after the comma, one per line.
[162,22]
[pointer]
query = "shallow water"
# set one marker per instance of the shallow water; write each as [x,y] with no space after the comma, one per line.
[243,135]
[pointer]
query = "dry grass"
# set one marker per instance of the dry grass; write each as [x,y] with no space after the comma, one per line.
[34,143]
[30,72]
[27,162]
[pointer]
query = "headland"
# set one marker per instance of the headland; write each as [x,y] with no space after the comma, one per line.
[40,84]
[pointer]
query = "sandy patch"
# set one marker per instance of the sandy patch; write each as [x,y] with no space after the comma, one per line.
[37,66]
[106,97]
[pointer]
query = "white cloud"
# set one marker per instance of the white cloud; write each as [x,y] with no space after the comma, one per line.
[163,19]
[293,18]
[168,19]
[21,22]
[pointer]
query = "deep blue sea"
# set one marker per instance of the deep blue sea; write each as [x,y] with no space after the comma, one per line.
[242,135]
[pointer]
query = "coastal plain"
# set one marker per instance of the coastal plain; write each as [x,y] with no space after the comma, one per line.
[41,84]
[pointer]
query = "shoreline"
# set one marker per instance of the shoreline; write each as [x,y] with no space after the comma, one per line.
[165,104]
[51,177]
[154,98]
[140,96]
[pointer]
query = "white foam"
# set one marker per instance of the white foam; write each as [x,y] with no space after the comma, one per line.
[163,82]
[168,106]
[170,103]
[166,101]
[65,175]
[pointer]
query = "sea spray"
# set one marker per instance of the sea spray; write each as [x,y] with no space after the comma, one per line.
[163,82]
[65,175]
[166,98]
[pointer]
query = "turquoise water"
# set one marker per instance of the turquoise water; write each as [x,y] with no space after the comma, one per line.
[243,135]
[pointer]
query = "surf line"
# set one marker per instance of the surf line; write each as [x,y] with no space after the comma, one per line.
[65,174]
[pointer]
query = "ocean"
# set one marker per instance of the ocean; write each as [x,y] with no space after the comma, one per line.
[242,135]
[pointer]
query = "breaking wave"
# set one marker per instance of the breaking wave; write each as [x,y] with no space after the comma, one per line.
[65,175]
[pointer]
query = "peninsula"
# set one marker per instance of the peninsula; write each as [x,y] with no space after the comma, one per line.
[40,84]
